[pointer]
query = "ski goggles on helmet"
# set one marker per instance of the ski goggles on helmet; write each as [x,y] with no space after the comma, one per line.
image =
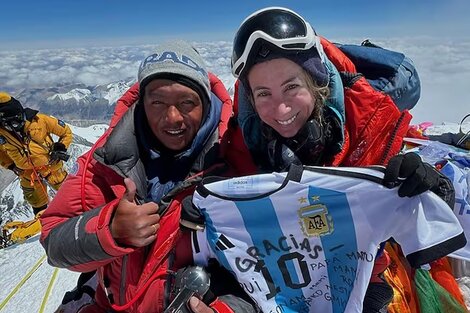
[280,27]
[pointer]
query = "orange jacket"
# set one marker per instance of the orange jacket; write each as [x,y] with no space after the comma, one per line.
[33,152]
[375,127]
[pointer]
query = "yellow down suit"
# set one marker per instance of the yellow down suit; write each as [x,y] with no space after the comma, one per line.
[30,155]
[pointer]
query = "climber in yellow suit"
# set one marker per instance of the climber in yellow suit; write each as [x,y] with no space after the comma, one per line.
[28,149]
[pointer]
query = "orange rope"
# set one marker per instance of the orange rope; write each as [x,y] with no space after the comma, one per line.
[38,177]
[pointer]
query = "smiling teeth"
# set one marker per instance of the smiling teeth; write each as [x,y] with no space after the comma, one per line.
[287,122]
[175,132]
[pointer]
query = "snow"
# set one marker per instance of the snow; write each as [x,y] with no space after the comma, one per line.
[111,92]
[91,133]
[464,284]
[448,128]
[17,261]
[76,94]
[114,91]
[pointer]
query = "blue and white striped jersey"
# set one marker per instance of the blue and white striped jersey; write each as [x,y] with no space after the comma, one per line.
[460,178]
[306,241]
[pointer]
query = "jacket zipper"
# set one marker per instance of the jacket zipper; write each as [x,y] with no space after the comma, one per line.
[392,138]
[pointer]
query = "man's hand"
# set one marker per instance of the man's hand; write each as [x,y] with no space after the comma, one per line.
[132,224]
[197,306]
[58,152]
[59,146]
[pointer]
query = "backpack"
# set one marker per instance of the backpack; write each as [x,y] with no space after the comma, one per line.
[387,71]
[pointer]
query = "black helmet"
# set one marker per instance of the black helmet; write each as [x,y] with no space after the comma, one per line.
[278,28]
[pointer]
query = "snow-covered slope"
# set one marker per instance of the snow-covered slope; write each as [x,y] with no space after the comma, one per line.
[45,287]
[91,133]
[76,94]
[18,293]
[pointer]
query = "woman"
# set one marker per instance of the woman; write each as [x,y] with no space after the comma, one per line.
[300,100]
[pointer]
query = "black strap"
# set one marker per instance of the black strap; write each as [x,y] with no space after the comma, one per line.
[461,122]
[77,293]
[465,136]
[295,172]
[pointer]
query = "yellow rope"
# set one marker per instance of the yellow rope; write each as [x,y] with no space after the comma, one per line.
[21,283]
[48,290]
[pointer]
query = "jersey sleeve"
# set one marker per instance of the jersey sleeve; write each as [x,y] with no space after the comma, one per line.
[201,250]
[430,231]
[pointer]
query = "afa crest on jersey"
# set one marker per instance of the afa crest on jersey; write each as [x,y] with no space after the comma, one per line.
[2,140]
[315,220]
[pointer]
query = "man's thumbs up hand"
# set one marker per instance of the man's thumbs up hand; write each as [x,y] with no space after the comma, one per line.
[132,224]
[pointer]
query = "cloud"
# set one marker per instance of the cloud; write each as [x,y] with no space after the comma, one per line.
[443,66]
[444,69]
[46,68]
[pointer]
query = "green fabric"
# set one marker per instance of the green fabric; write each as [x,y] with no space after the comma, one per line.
[432,297]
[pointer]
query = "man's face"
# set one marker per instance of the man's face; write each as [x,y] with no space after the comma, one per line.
[174,112]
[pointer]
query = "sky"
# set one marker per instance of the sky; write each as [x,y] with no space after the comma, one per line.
[45,43]
[31,24]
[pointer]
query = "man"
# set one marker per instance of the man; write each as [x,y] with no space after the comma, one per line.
[119,214]
[27,149]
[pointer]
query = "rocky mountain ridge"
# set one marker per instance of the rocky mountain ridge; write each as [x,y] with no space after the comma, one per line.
[72,102]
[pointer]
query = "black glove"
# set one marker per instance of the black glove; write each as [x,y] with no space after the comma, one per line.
[58,146]
[377,297]
[59,152]
[414,175]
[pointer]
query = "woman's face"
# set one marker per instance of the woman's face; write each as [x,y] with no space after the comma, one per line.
[281,96]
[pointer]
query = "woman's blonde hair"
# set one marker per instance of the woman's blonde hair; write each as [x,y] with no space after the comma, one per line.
[320,94]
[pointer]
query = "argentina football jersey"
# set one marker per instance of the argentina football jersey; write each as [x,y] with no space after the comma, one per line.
[305,241]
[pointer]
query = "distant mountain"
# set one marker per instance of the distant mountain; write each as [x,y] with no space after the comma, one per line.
[75,101]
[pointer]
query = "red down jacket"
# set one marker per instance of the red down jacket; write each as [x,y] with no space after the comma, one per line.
[75,227]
